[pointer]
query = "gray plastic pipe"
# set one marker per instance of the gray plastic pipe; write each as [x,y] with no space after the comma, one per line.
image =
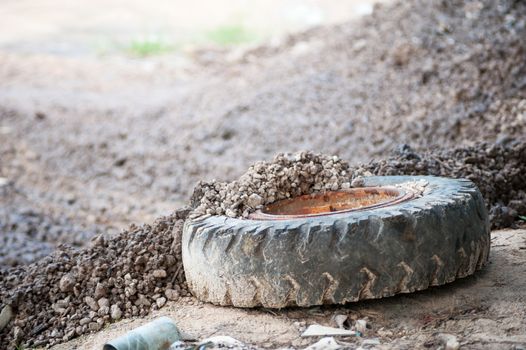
[156,335]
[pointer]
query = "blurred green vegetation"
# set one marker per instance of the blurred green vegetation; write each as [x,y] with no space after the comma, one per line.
[148,46]
[227,35]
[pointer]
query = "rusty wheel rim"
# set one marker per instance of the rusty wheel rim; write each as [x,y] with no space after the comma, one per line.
[333,202]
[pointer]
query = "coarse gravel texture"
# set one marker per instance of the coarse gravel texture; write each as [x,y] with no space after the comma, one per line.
[498,169]
[286,176]
[82,154]
[72,292]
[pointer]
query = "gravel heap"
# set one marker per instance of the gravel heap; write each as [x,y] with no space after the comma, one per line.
[498,169]
[73,292]
[287,175]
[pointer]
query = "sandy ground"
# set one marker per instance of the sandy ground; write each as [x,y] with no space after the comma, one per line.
[484,311]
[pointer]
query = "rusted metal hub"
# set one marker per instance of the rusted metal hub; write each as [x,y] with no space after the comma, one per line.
[326,203]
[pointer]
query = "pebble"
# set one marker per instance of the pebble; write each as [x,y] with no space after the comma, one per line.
[116,312]
[91,303]
[171,294]
[159,273]
[5,316]
[103,302]
[160,302]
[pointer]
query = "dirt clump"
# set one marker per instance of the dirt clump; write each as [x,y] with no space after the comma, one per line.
[286,176]
[73,292]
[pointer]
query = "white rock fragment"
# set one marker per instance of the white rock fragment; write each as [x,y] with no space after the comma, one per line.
[5,316]
[327,343]
[3,181]
[449,341]
[160,302]
[221,341]
[317,330]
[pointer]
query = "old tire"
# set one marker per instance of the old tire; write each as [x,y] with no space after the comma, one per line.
[339,258]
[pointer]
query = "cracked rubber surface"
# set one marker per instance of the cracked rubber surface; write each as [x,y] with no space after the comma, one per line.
[339,258]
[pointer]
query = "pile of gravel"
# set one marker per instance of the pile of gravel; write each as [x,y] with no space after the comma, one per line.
[73,292]
[286,176]
[498,169]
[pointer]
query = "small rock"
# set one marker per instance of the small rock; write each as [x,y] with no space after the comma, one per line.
[94,326]
[3,181]
[91,303]
[142,300]
[358,181]
[159,273]
[116,312]
[327,343]
[103,302]
[40,115]
[222,341]
[449,341]
[103,311]
[18,333]
[171,294]
[100,291]
[160,302]
[5,316]
[254,200]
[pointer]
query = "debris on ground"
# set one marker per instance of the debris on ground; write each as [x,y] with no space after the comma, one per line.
[317,330]
[360,326]
[152,335]
[327,343]
[221,341]
[449,341]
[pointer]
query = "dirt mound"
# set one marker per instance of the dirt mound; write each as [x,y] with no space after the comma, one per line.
[499,171]
[72,292]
